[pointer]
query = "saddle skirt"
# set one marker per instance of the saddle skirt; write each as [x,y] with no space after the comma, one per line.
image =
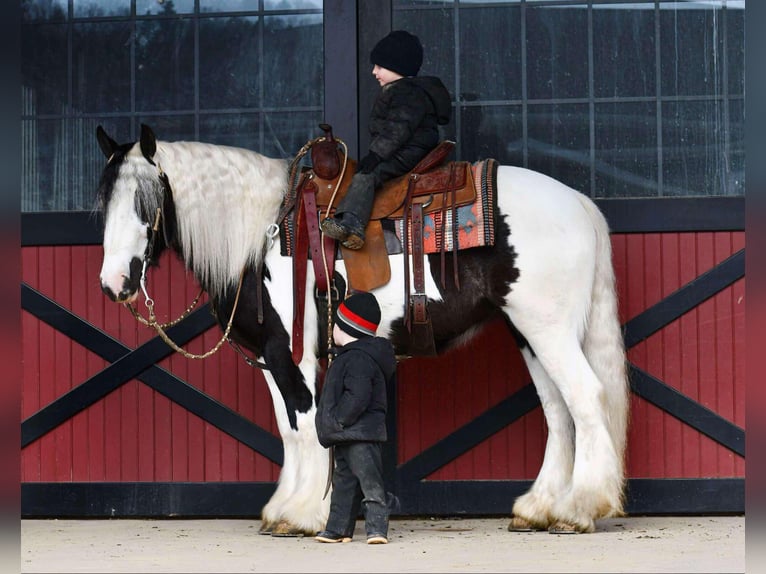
[474,215]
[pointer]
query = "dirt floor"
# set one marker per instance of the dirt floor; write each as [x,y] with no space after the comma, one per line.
[633,544]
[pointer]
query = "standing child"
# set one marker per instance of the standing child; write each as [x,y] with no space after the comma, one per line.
[404,128]
[351,418]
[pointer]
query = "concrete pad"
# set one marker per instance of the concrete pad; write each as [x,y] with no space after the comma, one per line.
[632,544]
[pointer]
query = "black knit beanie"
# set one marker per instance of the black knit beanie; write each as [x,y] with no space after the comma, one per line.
[359,315]
[400,52]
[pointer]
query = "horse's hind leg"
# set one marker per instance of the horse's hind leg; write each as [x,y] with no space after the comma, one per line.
[534,509]
[595,489]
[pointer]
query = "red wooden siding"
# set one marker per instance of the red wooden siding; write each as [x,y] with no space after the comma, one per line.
[136,434]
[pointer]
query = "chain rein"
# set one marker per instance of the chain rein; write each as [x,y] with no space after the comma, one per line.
[149,302]
[272,231]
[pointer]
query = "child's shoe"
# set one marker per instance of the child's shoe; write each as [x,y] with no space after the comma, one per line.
[347,228]
[377,539]
[331,537]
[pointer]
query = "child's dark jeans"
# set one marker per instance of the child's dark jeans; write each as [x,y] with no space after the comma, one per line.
[357,481]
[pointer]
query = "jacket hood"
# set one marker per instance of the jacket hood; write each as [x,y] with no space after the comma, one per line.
[439,95]
[379,349]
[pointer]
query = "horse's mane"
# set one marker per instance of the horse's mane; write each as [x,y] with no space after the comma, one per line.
[225,198]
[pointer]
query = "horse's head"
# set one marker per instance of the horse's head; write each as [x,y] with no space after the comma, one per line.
[130,194]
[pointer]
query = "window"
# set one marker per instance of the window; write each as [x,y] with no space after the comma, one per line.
[617,99]
[247,73]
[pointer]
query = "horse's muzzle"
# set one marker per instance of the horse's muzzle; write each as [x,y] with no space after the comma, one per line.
[128,284]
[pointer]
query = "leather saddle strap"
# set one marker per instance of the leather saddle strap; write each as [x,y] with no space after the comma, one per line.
[451,188]
[419,299]
[455,228]
[300,261]
[316,241]
[406,250]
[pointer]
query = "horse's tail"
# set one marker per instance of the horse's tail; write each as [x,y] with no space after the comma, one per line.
[603,343]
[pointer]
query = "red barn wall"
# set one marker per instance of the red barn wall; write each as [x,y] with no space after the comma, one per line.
[136,434]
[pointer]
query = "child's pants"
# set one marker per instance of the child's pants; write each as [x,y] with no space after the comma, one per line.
[357,480]
[361,192]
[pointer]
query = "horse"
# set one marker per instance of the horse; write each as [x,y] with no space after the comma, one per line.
[549,274]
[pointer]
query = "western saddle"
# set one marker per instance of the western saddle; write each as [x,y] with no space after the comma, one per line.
[433,185]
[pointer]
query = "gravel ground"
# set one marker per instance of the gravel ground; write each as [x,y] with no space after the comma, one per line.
[632,544]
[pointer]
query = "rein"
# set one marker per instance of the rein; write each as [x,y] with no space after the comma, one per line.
[272,231]
[149,302]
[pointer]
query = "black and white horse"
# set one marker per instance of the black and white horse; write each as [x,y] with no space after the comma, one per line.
[549,274]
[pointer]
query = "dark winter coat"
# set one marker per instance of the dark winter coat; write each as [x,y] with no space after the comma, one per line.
[405,118]
[352,405]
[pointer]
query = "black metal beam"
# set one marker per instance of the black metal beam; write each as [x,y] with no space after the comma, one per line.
[469,435]
[685,299]
[677,214]
[687,410]
[128,363]
[427,498]
[144,499]
[340,77]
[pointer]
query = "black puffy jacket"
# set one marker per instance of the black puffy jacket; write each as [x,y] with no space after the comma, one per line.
[405,118]
[352,405]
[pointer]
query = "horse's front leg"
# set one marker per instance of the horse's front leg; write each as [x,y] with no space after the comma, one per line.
[298,506]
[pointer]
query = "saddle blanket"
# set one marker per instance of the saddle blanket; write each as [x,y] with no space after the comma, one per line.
[475,222]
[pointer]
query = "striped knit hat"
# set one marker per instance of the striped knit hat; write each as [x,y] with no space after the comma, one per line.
[359,315]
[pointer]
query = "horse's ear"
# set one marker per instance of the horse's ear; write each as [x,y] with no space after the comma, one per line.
[107,144]
[148,143]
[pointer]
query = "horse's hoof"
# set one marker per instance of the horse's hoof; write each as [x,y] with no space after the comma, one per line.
[563,528]
[285,530]
[519,524]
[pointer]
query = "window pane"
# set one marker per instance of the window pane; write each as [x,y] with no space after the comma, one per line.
[736,168]
[624,52]
[229,63]
[44,69]
[695,159]
[285,133]
[735,38]
[228,5]
[557,52]
[398,3]
[293,61]
[490,54]
[146,7]
[435,28]
[164,82]
[101,84]
[292,4]
[626,150]
[691,51]
[237,130]
[559,143]
[44,10]
[62,162]
[492,132]
[169,128]
[95,8]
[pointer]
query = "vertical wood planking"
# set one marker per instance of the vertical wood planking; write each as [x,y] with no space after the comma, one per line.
[136,434]
[95,314]
[31,354]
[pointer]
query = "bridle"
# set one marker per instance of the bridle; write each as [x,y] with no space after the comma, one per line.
[271,233]
[149,302]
